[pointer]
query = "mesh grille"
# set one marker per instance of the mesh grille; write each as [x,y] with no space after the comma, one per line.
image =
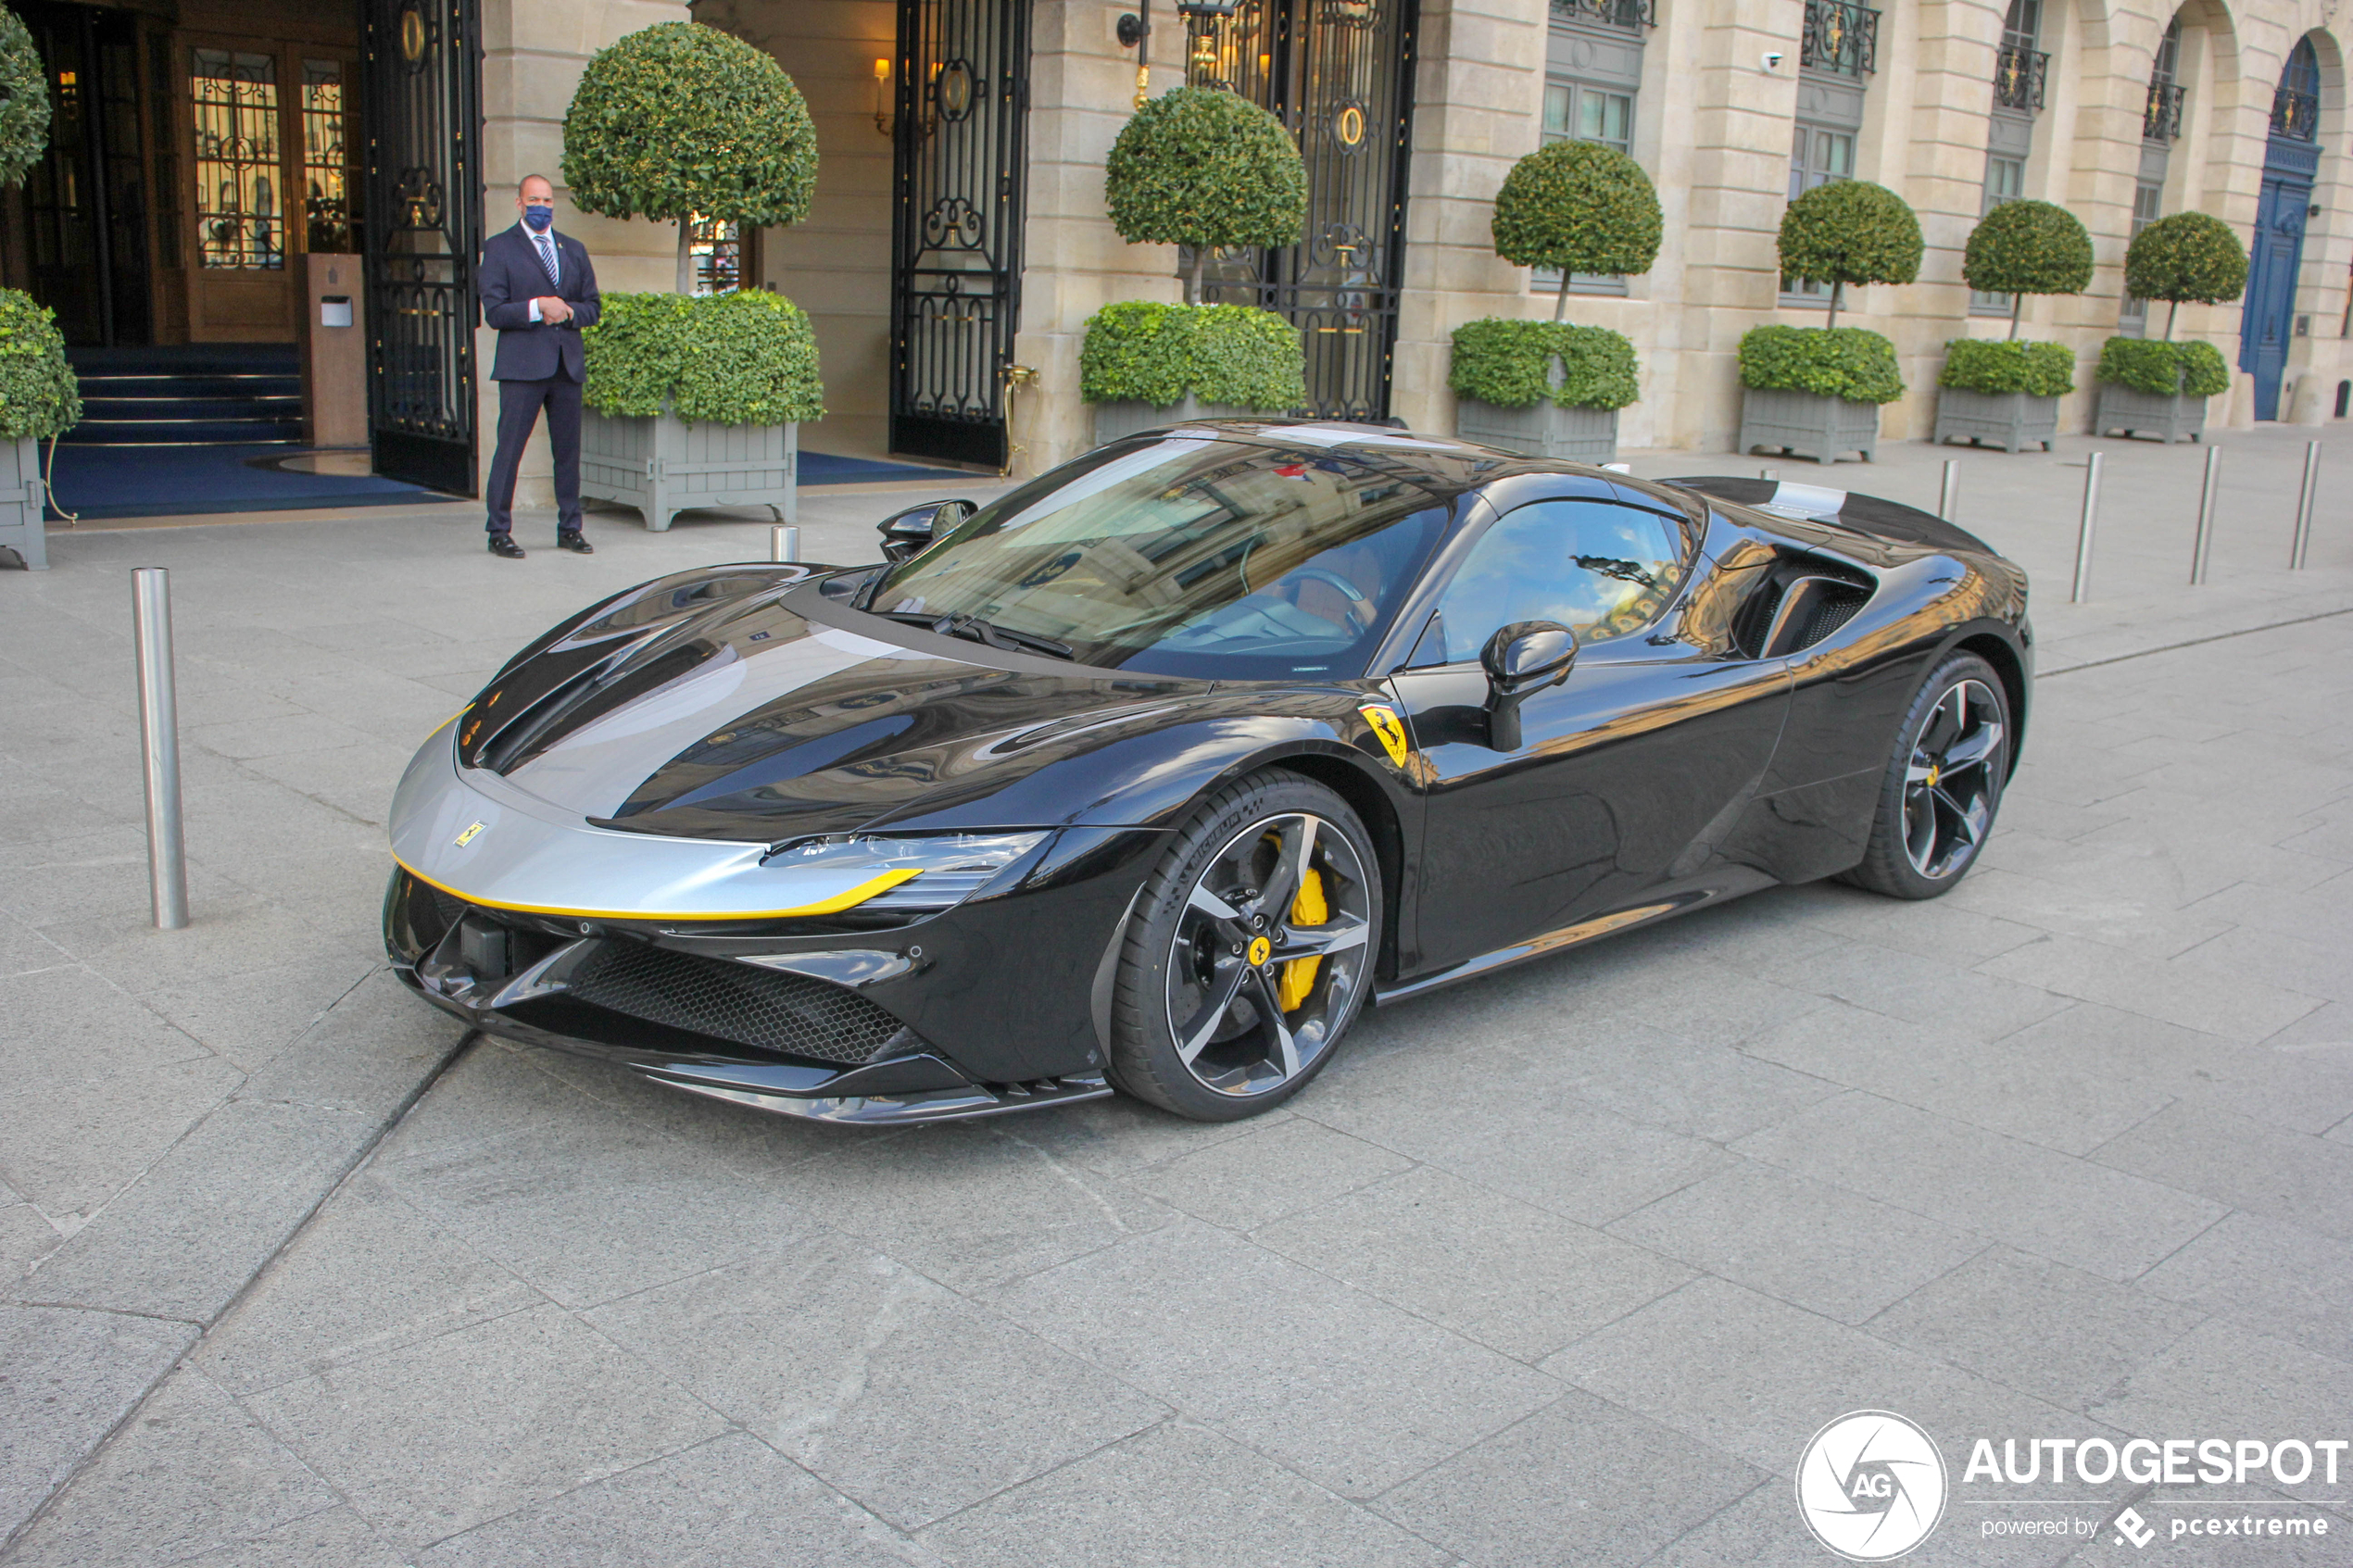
[730,1001]
[447,910]
[1828,613]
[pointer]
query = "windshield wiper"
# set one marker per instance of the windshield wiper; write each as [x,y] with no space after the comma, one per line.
[974,629]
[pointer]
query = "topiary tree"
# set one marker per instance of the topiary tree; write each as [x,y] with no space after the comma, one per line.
[1850,232]
[681,121]
[24,101]
[2024,248]
[1204,168]
[1582,207]
[39,397]
[2190,256]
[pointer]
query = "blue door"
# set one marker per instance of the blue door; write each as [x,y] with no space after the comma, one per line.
[2270,319]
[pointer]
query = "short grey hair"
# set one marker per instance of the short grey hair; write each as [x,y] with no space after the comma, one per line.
[529,178]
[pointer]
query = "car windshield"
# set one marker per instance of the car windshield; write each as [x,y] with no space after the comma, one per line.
[1187,555]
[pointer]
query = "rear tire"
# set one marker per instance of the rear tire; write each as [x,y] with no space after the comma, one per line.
[1944,783]
[1250,952]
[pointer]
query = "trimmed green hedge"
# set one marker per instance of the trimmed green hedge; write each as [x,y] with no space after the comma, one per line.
[2189,258]
[742,359]
[24,101]
[2165,370]
[680,119]
[2039,370]
[38,394]
[1141,351]
[1580,207]
[1854,363]
[1510,363]
[1205,168]
[2028,247]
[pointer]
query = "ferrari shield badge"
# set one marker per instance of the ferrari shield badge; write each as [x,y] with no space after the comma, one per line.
[468,836]
[1387,725]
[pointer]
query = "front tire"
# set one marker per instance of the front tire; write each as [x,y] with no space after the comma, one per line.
[1944,783]
[1250,952]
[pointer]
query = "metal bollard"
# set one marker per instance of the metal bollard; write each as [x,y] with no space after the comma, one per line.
[159,740]
[2083,538]
[2207,495]
[2305,499]
[1948,499]
[1617,468]
[783,542]
[1773,474]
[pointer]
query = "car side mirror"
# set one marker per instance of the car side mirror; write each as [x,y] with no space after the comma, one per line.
[1521,659]
[905,532]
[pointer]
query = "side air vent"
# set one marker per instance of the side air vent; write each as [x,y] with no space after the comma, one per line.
[1811,609]
[769,1009]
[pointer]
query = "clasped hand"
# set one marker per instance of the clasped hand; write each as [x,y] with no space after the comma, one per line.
[554,311]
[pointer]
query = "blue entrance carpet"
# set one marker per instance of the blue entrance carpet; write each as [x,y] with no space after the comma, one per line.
[136,480]
[823,468]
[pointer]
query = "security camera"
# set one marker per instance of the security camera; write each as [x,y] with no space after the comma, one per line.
[1772,60]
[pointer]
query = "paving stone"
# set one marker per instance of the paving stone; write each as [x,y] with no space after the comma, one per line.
[24,950]
[2196,996]
[2090,1215]
[366,1055]
[64,1026]
[1509,1275]
[971,1207]
[191,1473]
[2292,1281]
[1937,992]
[1939,928]
[1120,1136]
[67,1377]
[1176,1495]
[2061,1334]
[2216,1377]
[481,1421]
[2243,1163]
[893,1389]
[1823,1248]
[1579,1472]
[1757,1378]
[1702,1091]
[370,1277]
[492,1089]
[1268,1174]
[336,1538]
[591,1205]
[1357,1398]
[72,1152]
[2089,1044]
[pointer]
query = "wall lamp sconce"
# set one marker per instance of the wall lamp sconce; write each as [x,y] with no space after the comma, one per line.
[885,120]
[1135,33]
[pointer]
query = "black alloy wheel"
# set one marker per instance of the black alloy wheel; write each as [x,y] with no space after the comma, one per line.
[1943,785]
[1250,952]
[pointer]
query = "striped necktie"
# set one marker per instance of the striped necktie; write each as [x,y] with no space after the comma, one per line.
[546,247]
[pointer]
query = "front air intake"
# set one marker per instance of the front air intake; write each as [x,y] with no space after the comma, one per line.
[767,1008]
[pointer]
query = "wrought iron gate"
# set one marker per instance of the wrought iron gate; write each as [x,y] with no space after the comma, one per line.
[424,200]
[962,161]
[1339,74]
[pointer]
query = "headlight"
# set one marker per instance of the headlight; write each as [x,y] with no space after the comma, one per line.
[920,871]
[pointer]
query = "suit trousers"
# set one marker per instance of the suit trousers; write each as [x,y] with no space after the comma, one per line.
[519,405]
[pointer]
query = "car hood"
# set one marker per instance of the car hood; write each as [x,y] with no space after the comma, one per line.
[769,712]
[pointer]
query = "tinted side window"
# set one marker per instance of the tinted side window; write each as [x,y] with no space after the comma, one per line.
[1598,569]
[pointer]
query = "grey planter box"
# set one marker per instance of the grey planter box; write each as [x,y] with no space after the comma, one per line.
[1115,420]
[1806,424]
[21,529]
[2143,413]
[1541,430]
[663,466]
[2008,420]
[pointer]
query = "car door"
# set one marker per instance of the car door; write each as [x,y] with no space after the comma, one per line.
[1627,774]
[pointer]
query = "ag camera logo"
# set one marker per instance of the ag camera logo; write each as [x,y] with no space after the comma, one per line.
[1871,1485]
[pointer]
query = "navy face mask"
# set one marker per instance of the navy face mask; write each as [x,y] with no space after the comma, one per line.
[538,216]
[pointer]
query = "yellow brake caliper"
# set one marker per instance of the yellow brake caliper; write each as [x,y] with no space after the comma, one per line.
[1306,909]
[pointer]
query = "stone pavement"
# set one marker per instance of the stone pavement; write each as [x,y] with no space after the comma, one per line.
[1562,1266]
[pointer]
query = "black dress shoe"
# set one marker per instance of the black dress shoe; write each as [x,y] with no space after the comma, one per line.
[504,546]
[574,540]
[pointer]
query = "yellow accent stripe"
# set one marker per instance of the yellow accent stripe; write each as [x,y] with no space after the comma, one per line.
[870,888]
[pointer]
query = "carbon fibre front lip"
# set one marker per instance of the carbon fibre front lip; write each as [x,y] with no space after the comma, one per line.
[780,1088]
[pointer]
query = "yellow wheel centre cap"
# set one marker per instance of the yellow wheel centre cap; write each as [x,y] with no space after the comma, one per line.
[1934,773]
[1259,951]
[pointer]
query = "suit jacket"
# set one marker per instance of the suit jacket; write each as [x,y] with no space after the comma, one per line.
[511,276]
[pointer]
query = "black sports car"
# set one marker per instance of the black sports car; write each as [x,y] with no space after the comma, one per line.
[1155,770]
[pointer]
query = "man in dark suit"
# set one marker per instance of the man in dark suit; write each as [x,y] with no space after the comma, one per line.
[539,291]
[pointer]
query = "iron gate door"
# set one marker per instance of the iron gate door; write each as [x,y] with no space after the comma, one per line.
[961,157]
[2268,319]
[1339,74]
[423,237]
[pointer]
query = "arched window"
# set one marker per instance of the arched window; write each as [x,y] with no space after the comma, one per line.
[2295,105]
